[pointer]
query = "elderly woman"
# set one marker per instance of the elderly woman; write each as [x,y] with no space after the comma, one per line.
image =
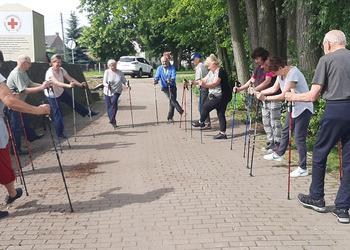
[112,82]
[289,77]
[56,75]
[219,94]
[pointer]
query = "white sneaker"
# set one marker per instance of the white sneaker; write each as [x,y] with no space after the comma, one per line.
[273,156]
[298,172]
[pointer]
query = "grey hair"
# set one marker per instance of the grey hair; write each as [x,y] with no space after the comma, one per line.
[335,36]
[111,61]
[23,58]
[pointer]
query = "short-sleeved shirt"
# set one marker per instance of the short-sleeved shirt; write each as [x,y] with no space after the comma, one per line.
[260,75]
[333,72]
[60,77]
[4,135]
[222,89]
[18,81]
[116,80]
[201,71]
[294,75]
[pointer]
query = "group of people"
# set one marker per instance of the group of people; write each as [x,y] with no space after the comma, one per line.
[13,93]
[272,82]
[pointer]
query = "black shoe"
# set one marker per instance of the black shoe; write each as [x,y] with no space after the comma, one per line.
[308,202]
[341,214]
[269,145]
[20,152]
[10,199]
[36,137]
[94,113]
[197,124]
[114,124]
[220,136]
[3,214]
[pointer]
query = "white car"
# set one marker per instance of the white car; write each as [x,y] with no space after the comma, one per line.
[135,66]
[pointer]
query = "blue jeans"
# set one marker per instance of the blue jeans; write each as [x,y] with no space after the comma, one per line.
[17,128]
[112,106]
[334,126]
[57,110]
[300,124]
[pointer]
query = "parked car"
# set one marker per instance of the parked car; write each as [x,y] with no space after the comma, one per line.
[135,66]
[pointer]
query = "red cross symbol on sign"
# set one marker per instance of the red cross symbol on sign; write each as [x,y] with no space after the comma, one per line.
[12,23]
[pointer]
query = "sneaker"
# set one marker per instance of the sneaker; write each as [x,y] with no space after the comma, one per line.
[273,156]
[20,152]
[341,214]
[170,120]
[274,149]
[268,146]
[3,214]
[308,202]
[94,113]
[10,199]
[298,172]
[220,136]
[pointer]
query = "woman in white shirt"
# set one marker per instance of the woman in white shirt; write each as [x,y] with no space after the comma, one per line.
[56,75]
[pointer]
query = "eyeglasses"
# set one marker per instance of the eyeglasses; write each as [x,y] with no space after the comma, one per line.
[324,44]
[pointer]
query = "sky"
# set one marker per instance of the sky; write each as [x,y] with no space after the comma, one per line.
[51,10]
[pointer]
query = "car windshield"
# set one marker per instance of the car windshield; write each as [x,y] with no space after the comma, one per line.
[127,59]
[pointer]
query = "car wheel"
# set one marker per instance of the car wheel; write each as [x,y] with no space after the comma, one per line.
[132,76]
[139,75]
[150,73]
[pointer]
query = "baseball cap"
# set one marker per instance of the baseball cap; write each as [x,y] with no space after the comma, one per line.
[196,56]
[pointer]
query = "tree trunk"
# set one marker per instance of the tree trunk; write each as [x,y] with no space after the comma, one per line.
[292,54]
[252,17]
[281,30]
[267,25]
[222,55]
[308,52]
[237,40]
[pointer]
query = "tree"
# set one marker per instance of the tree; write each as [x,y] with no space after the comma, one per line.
[73,33]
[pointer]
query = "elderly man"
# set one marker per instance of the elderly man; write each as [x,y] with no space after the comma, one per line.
[7,175]
[166,73]
[201,71]
[20,84]
[332,81]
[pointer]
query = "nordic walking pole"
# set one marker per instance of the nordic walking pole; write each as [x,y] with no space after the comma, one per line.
[88,104]
[290,105]
[59,163]
[61,118]
[155,101]
[170,96]
[234,111]
[74,123]
[18,162]
[340,164]
[253,147]
[54,118]
[246,124]
[25,136]
[132,118]
[114,122]
[182,103]
[186,109]
[191,111]
[200,111]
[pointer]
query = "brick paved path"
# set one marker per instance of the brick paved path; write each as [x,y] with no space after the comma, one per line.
[155,187]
